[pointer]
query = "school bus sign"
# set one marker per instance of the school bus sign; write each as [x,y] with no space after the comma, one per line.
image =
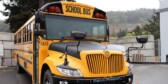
[73,9]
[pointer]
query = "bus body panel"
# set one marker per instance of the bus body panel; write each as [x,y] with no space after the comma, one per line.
[91,63]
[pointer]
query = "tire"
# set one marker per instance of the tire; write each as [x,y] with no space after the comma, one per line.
[48,79]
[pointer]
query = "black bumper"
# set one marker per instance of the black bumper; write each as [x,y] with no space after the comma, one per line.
[126,79]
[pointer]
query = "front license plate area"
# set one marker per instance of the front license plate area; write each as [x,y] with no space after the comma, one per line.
[107,79]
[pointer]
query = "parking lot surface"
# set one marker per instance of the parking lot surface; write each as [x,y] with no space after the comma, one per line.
[10,76]
[143,74]
[150,74]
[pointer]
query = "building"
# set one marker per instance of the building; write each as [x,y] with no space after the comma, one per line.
[164,29]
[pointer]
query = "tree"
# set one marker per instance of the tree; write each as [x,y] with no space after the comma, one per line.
[153,26]
[139,31]
[19,11]
[121,33]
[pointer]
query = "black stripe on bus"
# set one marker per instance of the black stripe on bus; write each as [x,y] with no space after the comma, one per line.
[26,59]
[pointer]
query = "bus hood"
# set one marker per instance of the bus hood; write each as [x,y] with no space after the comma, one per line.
[75,51]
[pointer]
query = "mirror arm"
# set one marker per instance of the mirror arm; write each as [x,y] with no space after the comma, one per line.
[128,59]
[142,45]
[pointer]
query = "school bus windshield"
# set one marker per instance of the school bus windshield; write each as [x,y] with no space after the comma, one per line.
[61,26]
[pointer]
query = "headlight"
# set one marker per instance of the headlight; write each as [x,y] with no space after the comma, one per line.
[70,72]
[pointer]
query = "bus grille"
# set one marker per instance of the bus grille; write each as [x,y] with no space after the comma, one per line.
[99,64]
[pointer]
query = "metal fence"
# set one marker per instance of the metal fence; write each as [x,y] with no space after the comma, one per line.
[137,58]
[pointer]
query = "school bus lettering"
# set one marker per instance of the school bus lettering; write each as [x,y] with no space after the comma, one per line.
[86,11]
[78,10]
[73,9]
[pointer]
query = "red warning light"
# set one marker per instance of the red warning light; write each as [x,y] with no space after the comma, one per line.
[51,9]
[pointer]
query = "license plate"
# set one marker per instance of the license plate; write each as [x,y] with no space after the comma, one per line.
[107,79]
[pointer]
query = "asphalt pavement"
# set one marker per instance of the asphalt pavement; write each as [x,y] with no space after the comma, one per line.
[10,76]
[150,73]
[143,74]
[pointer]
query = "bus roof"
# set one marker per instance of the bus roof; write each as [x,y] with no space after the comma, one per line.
[73,9]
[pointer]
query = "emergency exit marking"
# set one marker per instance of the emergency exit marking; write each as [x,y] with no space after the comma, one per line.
[1,50]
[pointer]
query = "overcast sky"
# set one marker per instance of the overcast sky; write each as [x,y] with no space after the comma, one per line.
[114,5]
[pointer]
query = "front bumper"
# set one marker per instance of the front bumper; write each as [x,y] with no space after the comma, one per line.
[126,79]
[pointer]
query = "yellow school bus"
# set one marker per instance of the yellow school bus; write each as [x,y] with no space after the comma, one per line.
[68,43]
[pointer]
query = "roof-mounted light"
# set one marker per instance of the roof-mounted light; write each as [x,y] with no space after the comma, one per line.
[99,14]
[54,9]
[51,8]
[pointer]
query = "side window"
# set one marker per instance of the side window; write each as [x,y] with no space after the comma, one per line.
[19,37]
[26,34]
[31,28]
[15,39]
[22,36]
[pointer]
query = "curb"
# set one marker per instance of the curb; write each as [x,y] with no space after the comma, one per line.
[149,63]
[6,67]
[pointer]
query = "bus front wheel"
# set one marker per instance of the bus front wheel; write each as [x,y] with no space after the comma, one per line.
[48,79]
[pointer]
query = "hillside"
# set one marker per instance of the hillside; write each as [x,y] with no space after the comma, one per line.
[127,20]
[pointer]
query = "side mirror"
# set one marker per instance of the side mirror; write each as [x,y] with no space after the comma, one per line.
[77,35]
[39,17]
[142,39]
